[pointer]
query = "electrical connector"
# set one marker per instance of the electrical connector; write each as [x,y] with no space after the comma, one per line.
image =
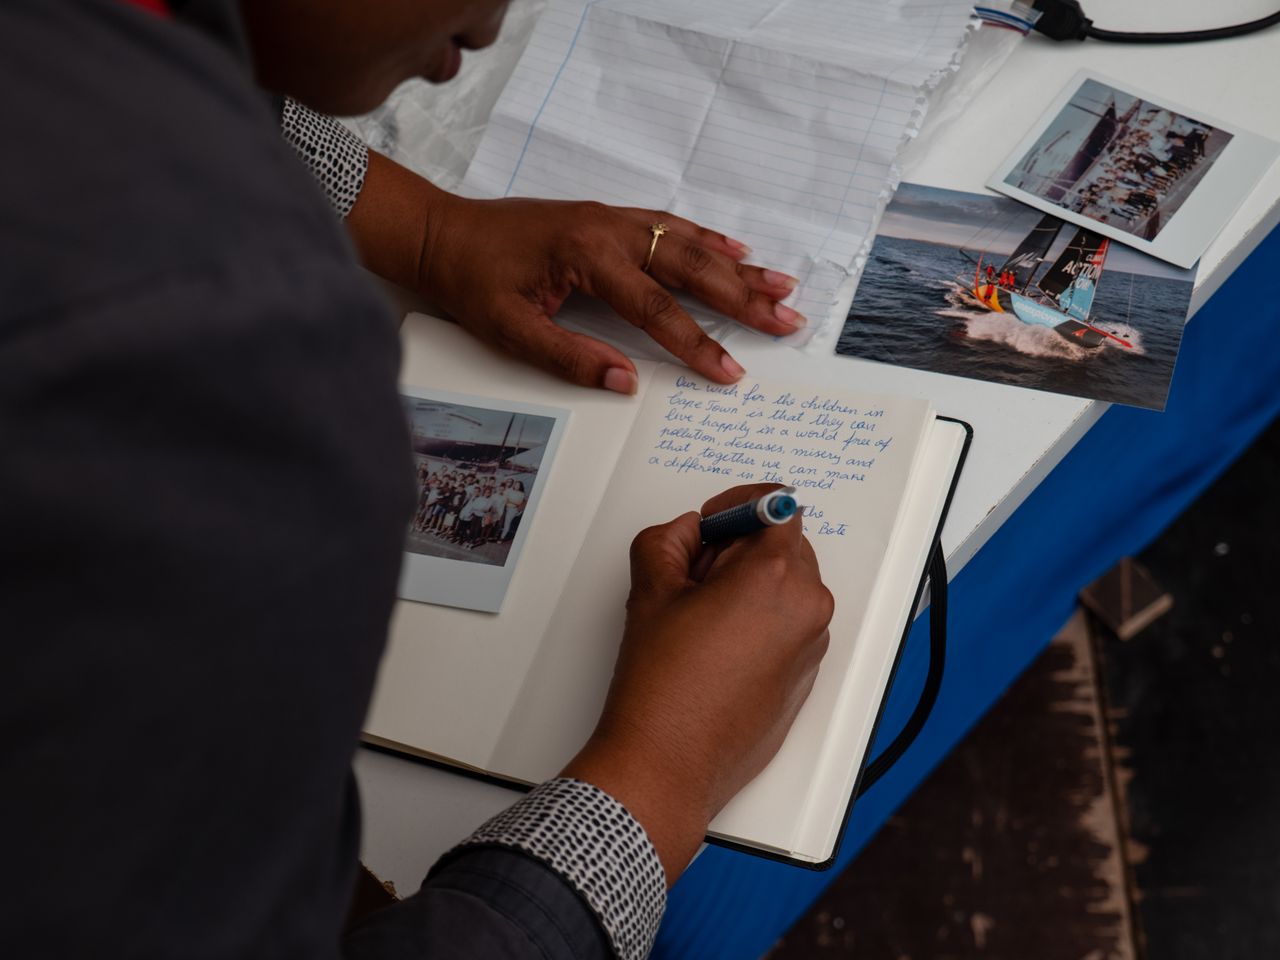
[1062,20]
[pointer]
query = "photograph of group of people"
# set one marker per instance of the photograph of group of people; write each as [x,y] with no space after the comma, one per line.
[479,472]
[469,510]
[1119,159]
[476,467]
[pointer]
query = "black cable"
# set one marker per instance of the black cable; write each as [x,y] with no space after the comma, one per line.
[1065,20]
[932,682]
[1186,36]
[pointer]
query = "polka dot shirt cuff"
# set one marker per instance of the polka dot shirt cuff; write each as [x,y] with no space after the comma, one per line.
[590,840]
[338,158]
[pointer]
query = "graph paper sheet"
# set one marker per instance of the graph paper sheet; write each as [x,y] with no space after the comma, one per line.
[777,123]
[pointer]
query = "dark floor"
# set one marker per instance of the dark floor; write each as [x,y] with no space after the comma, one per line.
[1050,834]
[1196,707]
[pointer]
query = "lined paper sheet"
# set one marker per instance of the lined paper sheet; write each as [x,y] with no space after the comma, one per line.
[777,123]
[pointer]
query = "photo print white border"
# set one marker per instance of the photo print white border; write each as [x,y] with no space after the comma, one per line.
[1209,207]
[459,583]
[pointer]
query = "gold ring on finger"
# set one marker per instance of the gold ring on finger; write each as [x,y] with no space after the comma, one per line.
[657,229]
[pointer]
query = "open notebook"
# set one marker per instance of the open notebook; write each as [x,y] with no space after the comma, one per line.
[514,694]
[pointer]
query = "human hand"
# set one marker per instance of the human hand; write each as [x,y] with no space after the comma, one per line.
[502,269]
[721,648]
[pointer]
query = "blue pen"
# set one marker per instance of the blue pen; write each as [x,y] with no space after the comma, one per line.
[774,508]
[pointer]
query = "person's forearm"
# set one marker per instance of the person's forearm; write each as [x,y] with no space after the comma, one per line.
[386,206]
[654,787]
[390,218]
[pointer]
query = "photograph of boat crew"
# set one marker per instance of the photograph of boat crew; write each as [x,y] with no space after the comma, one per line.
[1135,167]
[1118,159]
[478,471]
[981,286]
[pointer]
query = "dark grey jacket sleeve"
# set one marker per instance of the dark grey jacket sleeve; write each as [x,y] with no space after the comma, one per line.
[204,487]
[565,873]
[487,902]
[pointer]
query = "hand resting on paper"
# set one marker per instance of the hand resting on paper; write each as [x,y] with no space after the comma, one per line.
[720,651]
[502,269]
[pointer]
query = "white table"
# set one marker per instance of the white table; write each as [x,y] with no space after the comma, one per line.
[414,812]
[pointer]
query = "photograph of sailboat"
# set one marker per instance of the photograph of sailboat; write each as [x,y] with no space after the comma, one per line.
[981,286]
[1061,297]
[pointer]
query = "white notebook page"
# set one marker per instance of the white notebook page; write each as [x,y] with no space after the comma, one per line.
[777,123]
[449,675]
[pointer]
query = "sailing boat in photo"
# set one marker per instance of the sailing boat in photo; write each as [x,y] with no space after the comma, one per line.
[1061,297]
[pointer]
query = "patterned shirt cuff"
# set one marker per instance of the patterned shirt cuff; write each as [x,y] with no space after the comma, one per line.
[338,158]
[590,840]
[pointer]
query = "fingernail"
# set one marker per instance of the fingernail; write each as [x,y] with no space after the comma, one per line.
[777,279]
[731,366]
[792,318]
[620,380]
[741,248]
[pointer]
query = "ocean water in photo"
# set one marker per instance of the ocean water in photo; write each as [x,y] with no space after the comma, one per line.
[910,311]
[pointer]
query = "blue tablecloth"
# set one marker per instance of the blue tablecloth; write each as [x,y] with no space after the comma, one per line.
[1111,495]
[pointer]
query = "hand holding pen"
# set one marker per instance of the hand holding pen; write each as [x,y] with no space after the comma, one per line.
[721,648]
[769,510]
